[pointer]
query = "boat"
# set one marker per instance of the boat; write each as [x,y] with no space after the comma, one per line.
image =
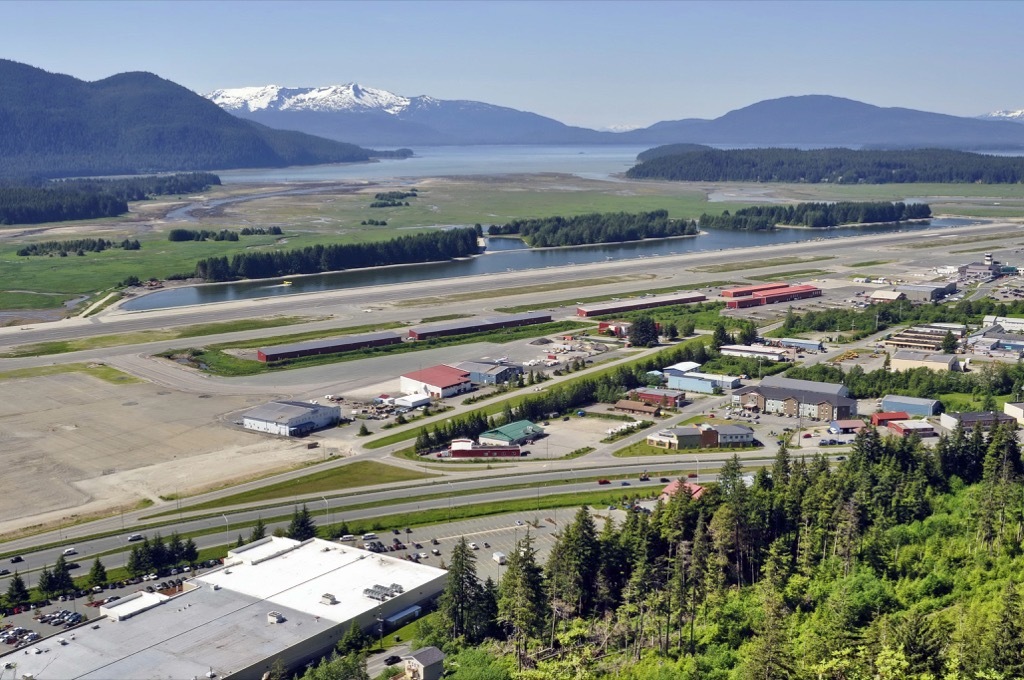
[286,283]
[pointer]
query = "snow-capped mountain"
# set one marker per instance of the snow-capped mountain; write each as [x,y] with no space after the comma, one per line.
[357,114]
[1015,116]
[333,98]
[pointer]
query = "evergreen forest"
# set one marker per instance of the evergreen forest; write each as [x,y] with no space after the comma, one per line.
[899,563]
[595,228]
[39,201]
[816,215]
[427,247]
[834,166]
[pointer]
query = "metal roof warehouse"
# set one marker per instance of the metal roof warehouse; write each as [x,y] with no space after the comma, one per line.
[477,324]
[638,303]
[275,598]
[344,343]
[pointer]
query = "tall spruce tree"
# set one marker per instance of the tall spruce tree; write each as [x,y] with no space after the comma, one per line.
[521,601]
[302,527]
[458,604]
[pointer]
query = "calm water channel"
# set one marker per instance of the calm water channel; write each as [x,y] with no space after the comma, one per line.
[600,162]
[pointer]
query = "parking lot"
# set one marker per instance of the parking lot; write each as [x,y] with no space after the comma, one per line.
[498,533]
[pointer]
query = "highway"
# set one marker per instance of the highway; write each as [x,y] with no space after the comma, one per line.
[343,308]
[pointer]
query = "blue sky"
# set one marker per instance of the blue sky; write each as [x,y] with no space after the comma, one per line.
[595,64]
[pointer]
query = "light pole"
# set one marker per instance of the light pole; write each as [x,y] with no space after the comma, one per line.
[227,531]
[328,504]
[449,502]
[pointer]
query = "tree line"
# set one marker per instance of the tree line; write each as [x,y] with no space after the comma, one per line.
[595,228]
[427,247]
[79,246]
[179,235]
[38,201]
[817,215]
[393,199]
[155,555]
[834,166]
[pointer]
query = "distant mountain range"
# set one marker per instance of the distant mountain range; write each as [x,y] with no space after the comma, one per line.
[354,112]
[54,125]
[370,116]
[1015,116]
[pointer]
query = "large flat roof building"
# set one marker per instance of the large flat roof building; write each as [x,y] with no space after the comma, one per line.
[273,599]
[646,302]
[290,418]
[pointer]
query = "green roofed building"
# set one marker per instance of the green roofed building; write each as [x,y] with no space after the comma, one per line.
[520,432]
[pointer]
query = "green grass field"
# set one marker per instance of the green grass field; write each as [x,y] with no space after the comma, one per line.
[101,371]
[794,274]
[352,476]
[331,218]
[761,264]
[119,339]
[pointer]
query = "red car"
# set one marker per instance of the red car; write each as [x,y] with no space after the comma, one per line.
[603,481]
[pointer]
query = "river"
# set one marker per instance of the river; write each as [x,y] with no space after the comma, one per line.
[504,254]
[595,162]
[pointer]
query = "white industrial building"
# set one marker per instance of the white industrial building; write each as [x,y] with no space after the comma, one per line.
[291,418]
[273,599]
[755,352]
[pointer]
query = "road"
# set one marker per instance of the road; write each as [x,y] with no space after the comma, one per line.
[346,304]
[343,306]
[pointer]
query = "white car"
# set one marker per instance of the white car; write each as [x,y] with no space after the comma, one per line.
[474,546]
[423,555]
[70,551]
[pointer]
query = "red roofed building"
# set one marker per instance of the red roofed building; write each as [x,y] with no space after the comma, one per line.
[886,416]
[438,382]
[695,490]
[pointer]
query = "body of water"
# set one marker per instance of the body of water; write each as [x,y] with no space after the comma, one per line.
[597,162]
[504,254]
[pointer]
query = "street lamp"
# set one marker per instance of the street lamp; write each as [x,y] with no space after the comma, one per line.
[449,502]
[328,504]
[227,531]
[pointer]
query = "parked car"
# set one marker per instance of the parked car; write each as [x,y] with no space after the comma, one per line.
[436,552]
[434,541]
[474,546]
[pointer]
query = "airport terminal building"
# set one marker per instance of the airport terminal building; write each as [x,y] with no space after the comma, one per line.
[273,599]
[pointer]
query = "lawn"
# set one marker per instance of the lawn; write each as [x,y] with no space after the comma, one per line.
[794,274]
[644,449]
[962,401]
[761,264]
[101,371]
[138,337]
[354,475]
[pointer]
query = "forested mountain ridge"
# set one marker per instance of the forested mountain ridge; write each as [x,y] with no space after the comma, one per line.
[834,166]
[53,125]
